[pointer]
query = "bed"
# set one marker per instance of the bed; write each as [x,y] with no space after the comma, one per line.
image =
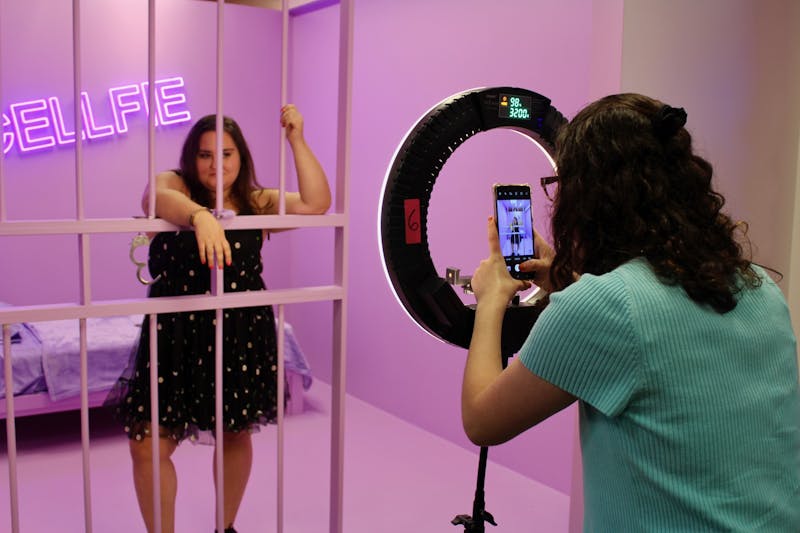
[46,363]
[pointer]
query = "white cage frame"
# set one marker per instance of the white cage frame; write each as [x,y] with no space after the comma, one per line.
[86,308]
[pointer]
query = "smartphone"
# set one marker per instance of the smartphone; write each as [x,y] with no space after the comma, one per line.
[512,213]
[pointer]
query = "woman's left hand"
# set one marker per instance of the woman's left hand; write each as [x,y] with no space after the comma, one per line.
[292,120]
[492,280]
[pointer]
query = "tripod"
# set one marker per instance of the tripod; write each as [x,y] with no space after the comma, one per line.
[476,522]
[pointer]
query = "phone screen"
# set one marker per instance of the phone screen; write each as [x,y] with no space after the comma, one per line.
[514,226]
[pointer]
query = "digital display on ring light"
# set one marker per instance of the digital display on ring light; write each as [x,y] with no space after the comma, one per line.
[515,106]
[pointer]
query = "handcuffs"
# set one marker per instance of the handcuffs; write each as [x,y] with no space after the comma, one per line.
[141,240]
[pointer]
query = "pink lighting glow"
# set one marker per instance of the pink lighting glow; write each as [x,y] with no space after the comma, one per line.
[39,124]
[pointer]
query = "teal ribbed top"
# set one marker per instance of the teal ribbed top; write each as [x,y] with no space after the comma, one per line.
[689,419]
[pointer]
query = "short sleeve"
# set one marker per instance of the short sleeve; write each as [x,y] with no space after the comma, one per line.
[585,343]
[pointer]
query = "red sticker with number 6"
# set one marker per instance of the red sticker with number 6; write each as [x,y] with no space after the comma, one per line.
[413,230]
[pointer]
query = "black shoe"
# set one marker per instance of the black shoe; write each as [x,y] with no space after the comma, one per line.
[227,530]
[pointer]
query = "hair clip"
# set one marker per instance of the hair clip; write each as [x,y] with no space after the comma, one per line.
[668,121]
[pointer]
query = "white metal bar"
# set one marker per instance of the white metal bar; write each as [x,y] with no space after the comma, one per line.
[125,225]
[170,304]
[151,106]
[2,153]
[284,101]
[78,105]
[217,284]
[219,466]
[84,258]
[279,396]
[84,372]
[11,433]
[220,86]
[346,16]
[155,432]
[284,96]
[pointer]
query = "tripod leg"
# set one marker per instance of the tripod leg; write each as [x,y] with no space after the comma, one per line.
[475,523]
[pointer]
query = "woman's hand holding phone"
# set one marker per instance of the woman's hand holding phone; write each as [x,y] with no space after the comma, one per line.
[491,280]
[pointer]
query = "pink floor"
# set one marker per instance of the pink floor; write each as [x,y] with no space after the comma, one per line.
[397,479]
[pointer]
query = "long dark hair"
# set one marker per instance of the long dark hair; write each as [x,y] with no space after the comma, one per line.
[631,186]
[245,184]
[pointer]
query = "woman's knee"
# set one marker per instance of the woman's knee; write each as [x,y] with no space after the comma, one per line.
[142,449]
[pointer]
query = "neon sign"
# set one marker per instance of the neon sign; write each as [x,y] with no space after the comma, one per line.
[39,124]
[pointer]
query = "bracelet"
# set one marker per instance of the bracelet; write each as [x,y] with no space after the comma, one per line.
[194,213]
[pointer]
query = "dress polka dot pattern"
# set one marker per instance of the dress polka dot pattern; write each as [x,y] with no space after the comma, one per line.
[186,342]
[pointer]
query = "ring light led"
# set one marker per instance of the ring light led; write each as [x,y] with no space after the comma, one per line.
[402,225]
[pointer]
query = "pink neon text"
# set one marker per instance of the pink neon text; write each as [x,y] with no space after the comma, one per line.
[41,124]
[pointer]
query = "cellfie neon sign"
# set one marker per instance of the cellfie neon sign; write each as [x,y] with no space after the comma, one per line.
[39,124]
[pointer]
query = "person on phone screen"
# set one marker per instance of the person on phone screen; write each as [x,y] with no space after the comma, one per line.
[186,341]
[515,236]
[678,348]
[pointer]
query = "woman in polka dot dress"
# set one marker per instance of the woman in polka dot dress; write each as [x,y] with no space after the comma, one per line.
[186,341]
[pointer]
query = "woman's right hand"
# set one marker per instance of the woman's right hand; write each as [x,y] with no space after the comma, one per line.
[491,279]
[212,245]
[540,266]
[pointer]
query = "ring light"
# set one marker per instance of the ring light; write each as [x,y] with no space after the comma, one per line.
[428,298]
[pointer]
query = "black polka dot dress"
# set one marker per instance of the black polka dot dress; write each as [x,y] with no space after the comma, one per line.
[186,379]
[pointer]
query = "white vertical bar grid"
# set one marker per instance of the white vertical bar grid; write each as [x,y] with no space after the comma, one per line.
[279,401]
[85,278]
[346,16]
[83,251]
[155,433]
[11,432]
[217,281]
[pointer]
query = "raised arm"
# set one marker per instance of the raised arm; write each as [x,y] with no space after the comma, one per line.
[314,195]
[498,404]
[174,204]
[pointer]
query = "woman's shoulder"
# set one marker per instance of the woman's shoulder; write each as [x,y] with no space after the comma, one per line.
[171,179]
[612,292]
[633,272]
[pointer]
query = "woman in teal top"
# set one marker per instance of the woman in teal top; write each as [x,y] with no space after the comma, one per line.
[679,350]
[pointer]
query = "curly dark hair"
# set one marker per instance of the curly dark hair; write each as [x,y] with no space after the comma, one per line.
[246,182]
[630,185]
